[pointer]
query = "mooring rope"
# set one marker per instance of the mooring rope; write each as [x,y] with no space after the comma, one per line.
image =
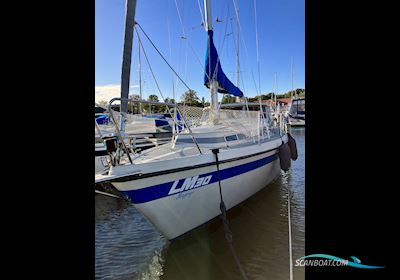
[290,239]
[108,194]
[227,231]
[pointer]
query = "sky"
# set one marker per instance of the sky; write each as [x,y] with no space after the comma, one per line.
[281,37]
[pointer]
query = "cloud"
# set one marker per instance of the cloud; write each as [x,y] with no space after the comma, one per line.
[108,92]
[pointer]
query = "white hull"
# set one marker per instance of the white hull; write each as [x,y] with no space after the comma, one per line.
[174,214]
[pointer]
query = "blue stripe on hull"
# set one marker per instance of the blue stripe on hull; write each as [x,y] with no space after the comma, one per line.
[159,191]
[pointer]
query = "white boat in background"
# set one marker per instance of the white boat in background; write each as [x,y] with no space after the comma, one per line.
[296,115]
[220,158]
[297,112]
[134,123]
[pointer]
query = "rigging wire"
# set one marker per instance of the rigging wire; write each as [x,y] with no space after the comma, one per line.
[243,41]
[169,111]
[236,49]
[201,13]
[140,77]
[183,36]
[186,37]
[243,86]
[170,56]
[222,45]
[173,85]
[162,56]
[258,56]
[177,108]
[180,19]
[151,70]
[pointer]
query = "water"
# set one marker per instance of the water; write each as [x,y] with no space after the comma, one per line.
[128,247]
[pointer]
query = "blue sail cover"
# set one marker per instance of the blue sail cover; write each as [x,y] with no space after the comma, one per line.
[224,84]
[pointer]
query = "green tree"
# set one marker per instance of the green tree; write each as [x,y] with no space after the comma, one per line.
[190,98]
[169,100]
[152,108]
[153,97]
[300,92]
[135,96]
[134,107]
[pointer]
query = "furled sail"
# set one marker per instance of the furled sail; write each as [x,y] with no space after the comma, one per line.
[213,69]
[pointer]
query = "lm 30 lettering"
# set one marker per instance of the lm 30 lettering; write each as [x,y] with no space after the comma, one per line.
[189,183]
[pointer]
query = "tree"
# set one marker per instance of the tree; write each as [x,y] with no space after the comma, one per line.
[300,92]
[190,98]
[169,100]
[134,107]
[154,108]
[153,97]
[135,97]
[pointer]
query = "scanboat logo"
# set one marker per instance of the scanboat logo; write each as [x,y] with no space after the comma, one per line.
[329,260]
[189,183]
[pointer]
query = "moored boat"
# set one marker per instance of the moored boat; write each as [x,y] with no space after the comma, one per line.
[221,159]
[297,112]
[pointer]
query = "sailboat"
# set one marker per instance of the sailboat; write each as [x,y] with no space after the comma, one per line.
[297,109]
[297,112]
[229,155]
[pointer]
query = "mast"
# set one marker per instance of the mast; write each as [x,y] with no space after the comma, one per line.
[291,70]
[213,81]
[237,54]
[275,88]
[127,54]
[174,127]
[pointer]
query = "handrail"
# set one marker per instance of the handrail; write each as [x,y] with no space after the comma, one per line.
[98,129]
[259,127]
[117,128]
[150,103]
